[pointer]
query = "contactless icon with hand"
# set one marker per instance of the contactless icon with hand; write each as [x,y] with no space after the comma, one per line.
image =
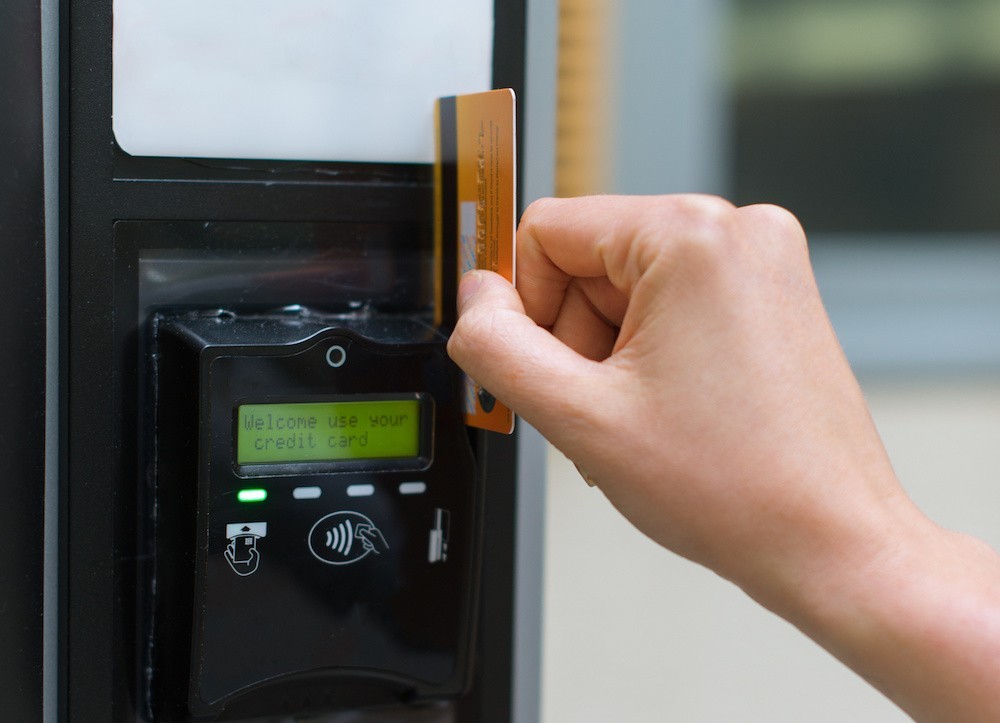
[345,537]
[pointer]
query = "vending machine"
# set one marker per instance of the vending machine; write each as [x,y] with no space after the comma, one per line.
[239,482]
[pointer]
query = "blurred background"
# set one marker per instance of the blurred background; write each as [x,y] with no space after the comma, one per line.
[878,123]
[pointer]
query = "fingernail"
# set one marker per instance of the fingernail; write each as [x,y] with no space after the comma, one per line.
[468,286]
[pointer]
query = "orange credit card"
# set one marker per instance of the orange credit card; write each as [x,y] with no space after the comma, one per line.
[475,214]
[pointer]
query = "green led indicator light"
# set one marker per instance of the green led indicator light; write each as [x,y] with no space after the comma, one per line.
[254,495]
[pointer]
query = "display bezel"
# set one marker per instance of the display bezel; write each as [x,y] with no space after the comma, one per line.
[421,461]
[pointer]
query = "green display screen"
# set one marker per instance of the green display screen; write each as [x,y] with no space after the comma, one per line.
[327,431]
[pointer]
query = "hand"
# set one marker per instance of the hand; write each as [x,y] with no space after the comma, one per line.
[676,349]
[371,538]
[244,560]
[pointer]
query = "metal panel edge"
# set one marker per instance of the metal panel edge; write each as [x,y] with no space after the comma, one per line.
[538,180]
[50,41]
[22,365]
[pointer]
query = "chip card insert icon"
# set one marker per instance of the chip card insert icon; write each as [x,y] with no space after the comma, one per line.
[241,552]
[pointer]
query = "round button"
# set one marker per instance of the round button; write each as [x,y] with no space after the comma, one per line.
[336,355]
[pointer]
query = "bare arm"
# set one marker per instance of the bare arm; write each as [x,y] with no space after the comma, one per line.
[676,349]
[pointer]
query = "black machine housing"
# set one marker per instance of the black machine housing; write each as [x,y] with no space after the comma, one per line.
[367,625]
[142,236]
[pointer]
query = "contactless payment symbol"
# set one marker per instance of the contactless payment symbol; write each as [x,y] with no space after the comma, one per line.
[344,537]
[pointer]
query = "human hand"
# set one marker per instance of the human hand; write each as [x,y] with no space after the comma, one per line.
[676,349]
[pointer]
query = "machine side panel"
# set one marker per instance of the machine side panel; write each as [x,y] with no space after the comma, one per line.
[22,360]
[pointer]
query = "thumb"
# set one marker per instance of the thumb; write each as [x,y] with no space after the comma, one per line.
[520,363]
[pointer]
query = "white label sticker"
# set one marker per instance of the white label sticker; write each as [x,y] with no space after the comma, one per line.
[326,80]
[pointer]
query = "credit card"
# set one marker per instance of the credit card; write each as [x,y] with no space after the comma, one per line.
[475,207]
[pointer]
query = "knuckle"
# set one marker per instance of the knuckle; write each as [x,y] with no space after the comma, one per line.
[476,331]
[774,218]
[463,337]
[700,230]
[537,208]
[540,203]
[783,232]
[776,215]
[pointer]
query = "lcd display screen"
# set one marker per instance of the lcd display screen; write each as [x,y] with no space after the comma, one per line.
[289,432]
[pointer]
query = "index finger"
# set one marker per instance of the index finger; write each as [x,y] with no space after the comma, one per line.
[611,236]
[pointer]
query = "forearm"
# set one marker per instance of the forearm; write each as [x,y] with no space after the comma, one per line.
[919,618]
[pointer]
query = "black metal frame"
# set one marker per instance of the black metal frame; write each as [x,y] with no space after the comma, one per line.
[103,185]
[22,361]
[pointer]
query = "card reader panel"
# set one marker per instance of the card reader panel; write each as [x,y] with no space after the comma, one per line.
[316,505]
